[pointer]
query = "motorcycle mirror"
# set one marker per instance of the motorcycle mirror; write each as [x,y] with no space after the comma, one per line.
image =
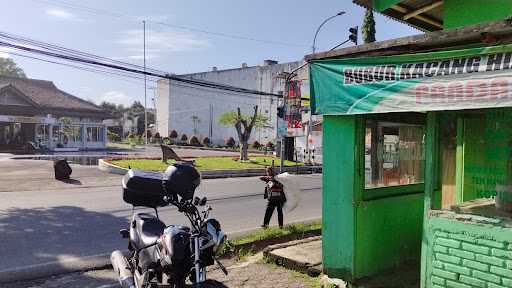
[196,201]
[203,201]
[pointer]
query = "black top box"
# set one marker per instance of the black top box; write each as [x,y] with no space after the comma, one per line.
[142,188]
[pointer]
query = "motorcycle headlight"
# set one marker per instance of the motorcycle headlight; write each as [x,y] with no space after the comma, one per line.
[217,235]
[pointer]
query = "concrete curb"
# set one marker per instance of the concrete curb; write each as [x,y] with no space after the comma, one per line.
[54,268]
[213,174]
[86,263]
[312,269]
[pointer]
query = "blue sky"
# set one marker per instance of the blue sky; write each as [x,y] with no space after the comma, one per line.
[114,29]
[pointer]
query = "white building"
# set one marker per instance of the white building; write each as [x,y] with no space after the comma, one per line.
[177,103]
[194,110]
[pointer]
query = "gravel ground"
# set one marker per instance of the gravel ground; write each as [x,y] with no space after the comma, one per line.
[249,273]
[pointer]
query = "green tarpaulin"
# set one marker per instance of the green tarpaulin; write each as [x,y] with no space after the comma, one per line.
[446,80]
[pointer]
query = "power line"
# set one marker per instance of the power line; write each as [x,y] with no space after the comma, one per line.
[49,52]
[98,11]
[122,76]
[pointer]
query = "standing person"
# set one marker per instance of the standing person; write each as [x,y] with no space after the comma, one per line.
[274,193]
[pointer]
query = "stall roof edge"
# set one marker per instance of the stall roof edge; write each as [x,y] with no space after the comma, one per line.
[500,30]
[430,20]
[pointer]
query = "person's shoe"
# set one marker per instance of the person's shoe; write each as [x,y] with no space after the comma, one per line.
[264,226]
[280,227]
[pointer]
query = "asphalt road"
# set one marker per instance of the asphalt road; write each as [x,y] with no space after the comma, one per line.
[44,222]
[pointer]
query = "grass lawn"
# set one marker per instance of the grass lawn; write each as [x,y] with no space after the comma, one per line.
[205,163]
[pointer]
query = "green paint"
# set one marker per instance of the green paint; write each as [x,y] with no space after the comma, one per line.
[338,213]
[459,174]
[353,216]
[386,192]
[388,233]
[381,5]
[480,257]
[470,245]
[459,13]
[431,157]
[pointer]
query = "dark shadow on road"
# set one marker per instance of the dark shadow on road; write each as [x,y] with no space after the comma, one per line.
[56,234]
[72,181]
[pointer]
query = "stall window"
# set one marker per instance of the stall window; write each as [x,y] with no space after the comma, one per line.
[94,134]
[393,154]
[77,133]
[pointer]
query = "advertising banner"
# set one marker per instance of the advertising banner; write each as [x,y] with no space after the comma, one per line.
[444,80]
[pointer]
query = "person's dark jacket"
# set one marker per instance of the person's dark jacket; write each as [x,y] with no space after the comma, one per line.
[274,190]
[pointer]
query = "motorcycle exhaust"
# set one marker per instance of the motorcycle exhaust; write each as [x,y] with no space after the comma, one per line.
[122,268]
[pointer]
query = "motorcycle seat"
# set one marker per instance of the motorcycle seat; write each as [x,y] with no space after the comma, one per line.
[149,227]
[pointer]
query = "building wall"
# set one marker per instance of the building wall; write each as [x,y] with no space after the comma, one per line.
[459,13]
[468,251]
[177,102]
[363,235]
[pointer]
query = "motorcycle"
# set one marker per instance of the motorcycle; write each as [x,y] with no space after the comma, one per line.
[163,255]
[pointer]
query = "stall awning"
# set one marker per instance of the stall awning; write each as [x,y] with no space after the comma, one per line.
[446,80]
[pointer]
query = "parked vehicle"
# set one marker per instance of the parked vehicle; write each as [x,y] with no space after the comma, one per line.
[163,255]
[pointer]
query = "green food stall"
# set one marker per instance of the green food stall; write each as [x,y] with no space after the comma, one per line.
[418,156]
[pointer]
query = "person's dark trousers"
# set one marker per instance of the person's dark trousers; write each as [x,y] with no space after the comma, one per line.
[271,205]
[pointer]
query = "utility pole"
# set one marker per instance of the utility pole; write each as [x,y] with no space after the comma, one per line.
[145,91]
[210,131]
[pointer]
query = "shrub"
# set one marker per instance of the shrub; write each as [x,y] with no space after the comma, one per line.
[184,138]
[230,142]
[256,145]
[194,141]
[173,134]
[112,136]
[157,138]
[166,141]
[206,141]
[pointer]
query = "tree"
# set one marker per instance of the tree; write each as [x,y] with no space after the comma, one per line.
[115,110]
[137,107]
[243,125]
[9,68]
[66,129]
[368,27]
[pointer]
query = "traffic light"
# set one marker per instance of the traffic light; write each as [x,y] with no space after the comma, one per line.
[353,34]
[280,111]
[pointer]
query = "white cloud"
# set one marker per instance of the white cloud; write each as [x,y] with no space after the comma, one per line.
[4,52]
[159,42]
[61,14]
[117,97]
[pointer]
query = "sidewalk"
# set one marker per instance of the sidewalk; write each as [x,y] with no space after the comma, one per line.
[305,256]
[251,273]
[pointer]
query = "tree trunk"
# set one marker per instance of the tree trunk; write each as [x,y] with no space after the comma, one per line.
[244,155]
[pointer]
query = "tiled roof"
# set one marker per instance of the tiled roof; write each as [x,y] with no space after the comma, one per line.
[47,95]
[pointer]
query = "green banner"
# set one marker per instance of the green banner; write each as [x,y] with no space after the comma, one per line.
[445,80]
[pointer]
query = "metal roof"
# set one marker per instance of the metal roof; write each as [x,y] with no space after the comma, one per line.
[425,15]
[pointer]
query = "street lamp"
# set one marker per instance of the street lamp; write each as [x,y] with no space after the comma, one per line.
[310,122]
[320,27]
